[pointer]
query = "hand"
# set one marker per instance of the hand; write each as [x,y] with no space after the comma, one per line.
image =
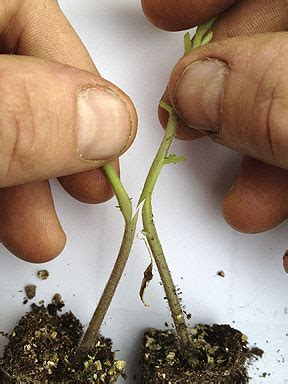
[235,90]
[58,117]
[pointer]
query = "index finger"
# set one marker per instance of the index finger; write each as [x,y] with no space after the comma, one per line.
[39,28]
[174,15]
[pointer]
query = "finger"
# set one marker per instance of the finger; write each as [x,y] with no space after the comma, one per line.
[174,15]
[90,187]
[236,91]
[57,120]
[257,202]
[47,240]
[40,29]
[248,17]
[237,17]
[43,31]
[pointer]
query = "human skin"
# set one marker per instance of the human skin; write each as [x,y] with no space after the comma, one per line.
[58,118]
[235,91]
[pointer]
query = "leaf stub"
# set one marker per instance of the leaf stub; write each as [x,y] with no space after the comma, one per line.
[187,43]
[174,159]
[203,34]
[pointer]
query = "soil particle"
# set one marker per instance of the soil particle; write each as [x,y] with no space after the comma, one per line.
[219,354]
[42,347]
[43,274]
[30,291]
[56,305]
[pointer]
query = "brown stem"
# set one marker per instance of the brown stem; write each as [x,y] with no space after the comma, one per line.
[91,334]
[173,300]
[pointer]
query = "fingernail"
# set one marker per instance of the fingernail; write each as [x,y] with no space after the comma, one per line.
[198,94]
[103,124]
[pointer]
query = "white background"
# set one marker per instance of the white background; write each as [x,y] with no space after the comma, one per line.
[138,57]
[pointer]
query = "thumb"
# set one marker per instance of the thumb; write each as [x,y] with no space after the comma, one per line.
[57,120]
[236,91]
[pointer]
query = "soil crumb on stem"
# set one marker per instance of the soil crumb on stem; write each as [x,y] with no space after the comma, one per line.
[42,347]
[219,355]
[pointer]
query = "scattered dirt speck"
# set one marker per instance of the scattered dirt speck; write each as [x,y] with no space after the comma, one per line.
[30,291]
[43,274]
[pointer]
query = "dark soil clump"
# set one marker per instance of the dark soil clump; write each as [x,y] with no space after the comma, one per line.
[219,355]
[42,348]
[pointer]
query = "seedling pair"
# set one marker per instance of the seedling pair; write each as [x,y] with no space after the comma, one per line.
[200,354]
[203,36]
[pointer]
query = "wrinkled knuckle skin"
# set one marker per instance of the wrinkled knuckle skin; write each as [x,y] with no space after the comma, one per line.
[17,138]
[21,138]
[271,108]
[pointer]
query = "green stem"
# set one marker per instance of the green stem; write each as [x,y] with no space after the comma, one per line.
[203,36]
[120,192]
[125,204]
[161,155]
[152,236]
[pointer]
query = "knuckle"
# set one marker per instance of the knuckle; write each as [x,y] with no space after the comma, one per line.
[270,108]
[22,140]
